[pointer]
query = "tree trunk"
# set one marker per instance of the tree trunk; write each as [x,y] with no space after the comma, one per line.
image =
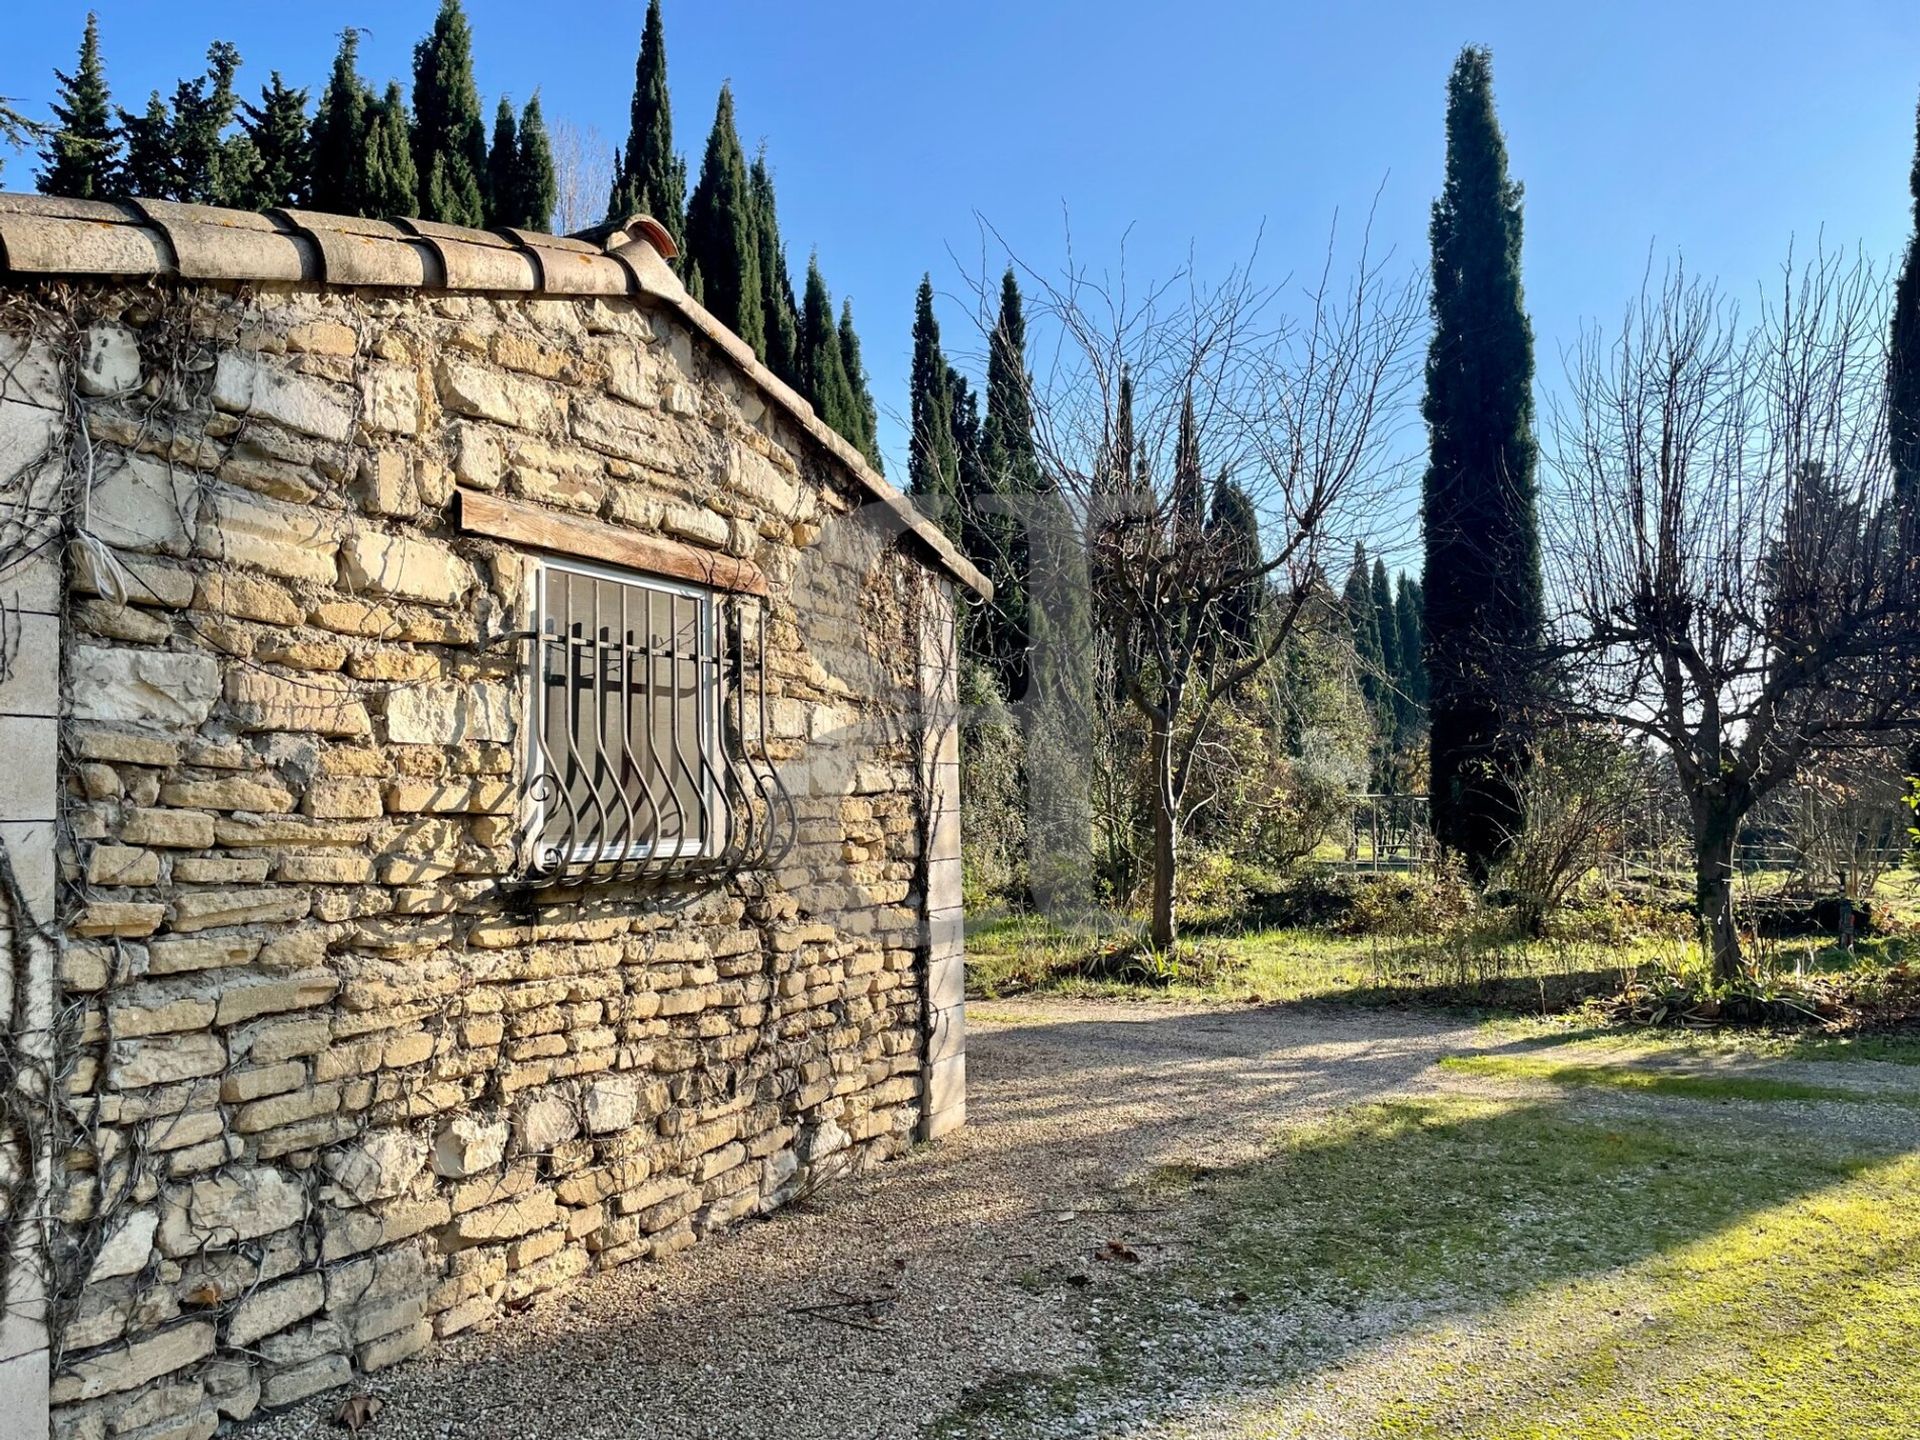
[1715,824]
[1165,838]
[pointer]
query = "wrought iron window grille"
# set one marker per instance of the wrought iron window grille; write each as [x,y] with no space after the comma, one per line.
[646,757]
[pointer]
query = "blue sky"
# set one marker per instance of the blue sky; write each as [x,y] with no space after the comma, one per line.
[1721,131]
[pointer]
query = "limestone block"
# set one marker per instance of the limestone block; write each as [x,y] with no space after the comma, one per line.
[229,792]
[450,714]
[318,704]
[468,1145]
[169,829]
[544,1122]
[128,1247]
[248,384]
[123,1368]
[295,542]
[274,1308]
[109,360]
[403,566]
[30,684]
[476,459]
[379,1166]
[31,373]
[505,1221]
[224,1210]
[169,956]
[391,400]
[391,1349]
[245,597]
[152,689]
[163,1060]
[611,1104]
[23,1388]
[142,504]
[467,389]
[206,909]
[257,995]
[122,865]
[159,1008]
[285,1387]
[233,1386]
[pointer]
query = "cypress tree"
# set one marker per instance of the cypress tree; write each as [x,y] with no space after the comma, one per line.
[449,137]
[1234,528]
[1903,371]
[503,180]
[82,153]
[1011,477]
[865,417]
[147,166]
[277,126]
[822,363]
[1407,607]
[538,187]
[649,179]
[1484,607]
[933,462]
[339,138]
[209,169]
[1189,485]
[387,183]
[1389,627]
[776,285]
[1364,622]
[720,234]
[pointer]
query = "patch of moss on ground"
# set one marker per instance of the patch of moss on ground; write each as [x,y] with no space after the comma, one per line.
[1679,1084]
[1513,1269]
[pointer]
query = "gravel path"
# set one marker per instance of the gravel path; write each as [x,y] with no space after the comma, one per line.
[1069,1101]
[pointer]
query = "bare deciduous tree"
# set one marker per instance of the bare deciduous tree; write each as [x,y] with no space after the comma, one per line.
[1728,560]
[583,174]
[1301,414]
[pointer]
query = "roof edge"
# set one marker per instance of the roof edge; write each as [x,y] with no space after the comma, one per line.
[50,236]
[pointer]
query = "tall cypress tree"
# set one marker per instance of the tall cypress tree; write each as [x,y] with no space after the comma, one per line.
[449,137]
[933,461]
[387,183]
[537,186]
[210,169]
[1189,484]
[1407,608]
[822,363]
[782,314]
[1484,607]
[1903,371]
[648,178]
[339,136]
[1233,526]
[83,151]
[277,126]
[1364,621]
[503,156]
[1389,639]
[866,418]
[721,242]
[1011,476]
[147,165]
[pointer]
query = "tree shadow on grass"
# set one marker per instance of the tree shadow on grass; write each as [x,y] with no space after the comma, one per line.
[1394,1217]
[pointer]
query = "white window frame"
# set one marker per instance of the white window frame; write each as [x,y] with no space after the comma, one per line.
[710,701]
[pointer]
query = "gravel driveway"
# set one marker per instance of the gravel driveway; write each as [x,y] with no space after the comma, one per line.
[1068,1102]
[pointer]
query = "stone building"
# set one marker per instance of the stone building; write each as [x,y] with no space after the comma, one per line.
[479,801]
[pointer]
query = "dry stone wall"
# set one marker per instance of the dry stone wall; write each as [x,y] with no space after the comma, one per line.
[332,1086]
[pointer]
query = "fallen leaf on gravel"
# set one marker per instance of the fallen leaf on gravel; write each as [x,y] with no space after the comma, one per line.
[1119,1250]
[358,1410]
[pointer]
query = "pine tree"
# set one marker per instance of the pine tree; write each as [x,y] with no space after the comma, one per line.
[822,363]
[449,137]
[147,164]
[340,139]
[866,418]
[649,179]
[538,186]
[776,285]
[933,461]
[1484,607]
[503,158]
[82,153]
[720,233]
[387,183]
[210,167]
[1903,371]
[277,126]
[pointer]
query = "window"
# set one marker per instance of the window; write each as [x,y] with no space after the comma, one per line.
[647,729]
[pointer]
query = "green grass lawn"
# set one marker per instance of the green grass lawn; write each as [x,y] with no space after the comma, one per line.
[1562,1241]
